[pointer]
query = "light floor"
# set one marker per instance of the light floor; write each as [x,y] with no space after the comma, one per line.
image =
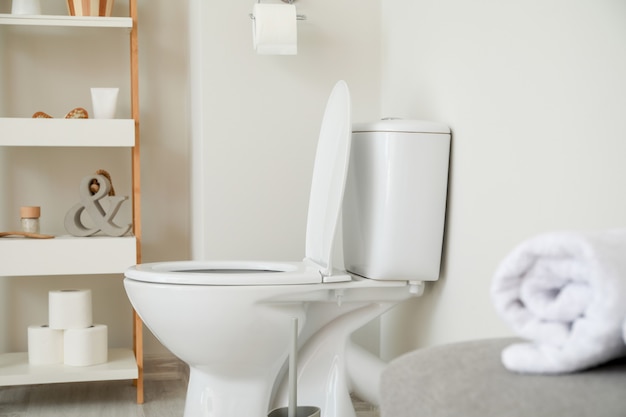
[165,386]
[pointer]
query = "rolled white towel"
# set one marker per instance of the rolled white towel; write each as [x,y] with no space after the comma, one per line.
[566,293]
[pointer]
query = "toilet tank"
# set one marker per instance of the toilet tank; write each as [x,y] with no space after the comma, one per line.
[395,199]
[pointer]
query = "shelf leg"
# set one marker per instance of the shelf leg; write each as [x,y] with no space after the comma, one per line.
[138,349]
[134,86]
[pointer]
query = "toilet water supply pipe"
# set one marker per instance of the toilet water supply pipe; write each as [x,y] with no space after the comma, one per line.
[364,370]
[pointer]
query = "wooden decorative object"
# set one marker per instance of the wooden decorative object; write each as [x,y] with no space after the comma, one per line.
[90,7]
[26,234]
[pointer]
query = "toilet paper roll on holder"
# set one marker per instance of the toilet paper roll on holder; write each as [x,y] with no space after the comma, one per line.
[298,16]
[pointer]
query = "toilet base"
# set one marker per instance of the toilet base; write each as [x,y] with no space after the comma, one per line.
[209,396]
[324,378]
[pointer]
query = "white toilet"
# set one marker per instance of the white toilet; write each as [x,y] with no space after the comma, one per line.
[231,321]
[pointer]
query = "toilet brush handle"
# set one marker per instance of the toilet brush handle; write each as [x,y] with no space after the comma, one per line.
[293,372]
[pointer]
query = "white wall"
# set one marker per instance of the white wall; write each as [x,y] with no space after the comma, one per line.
[535,94]
[259,119]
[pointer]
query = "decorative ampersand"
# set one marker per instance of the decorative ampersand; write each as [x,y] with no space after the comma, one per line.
[102,219]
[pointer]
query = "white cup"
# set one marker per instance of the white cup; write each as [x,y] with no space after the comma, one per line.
[25,7]
[104,102]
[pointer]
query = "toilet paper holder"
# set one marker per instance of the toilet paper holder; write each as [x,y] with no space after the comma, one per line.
[298,16]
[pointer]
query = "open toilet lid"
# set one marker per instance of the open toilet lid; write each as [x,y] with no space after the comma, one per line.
[329,178]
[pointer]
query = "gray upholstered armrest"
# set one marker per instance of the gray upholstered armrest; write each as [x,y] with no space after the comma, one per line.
[468,380]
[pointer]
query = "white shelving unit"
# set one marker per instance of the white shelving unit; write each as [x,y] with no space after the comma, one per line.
[69,255]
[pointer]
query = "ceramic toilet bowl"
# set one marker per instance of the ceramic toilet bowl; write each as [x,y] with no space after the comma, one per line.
[235,335]
[233,344]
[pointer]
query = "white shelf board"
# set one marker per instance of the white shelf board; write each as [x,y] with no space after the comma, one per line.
[17,131]
[66,255]
[15,369]
[52,20]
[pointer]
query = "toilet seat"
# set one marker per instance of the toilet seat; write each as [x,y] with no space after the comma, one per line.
[325,201]
[226,273]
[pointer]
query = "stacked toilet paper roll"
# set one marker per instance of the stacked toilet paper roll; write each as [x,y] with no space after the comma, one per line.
[275,30]
[45,345]
[71,337]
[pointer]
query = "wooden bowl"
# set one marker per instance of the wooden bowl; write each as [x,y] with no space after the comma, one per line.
[89,7]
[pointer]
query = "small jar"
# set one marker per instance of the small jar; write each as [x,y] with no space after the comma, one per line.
[30,218]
